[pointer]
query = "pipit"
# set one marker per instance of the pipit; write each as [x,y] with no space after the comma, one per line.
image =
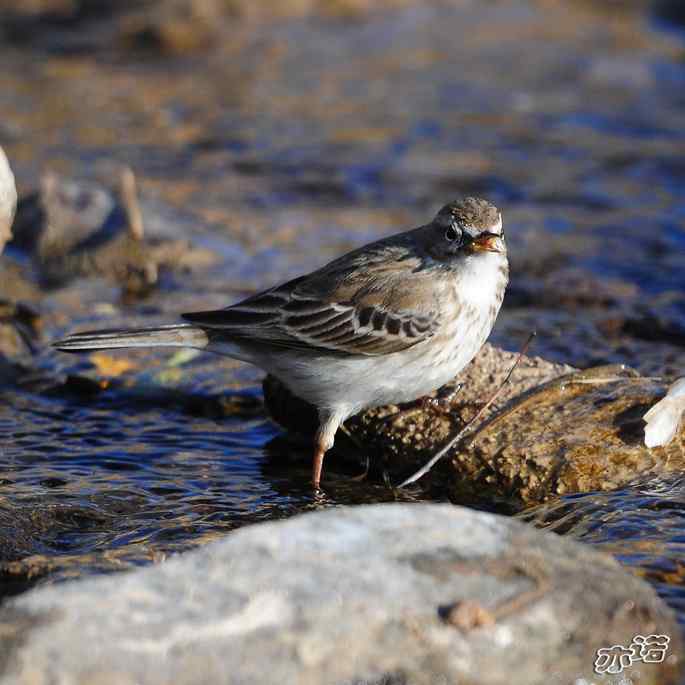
[387,323]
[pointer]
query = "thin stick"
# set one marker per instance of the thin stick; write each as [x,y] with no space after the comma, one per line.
[612,379]
[453,441]
[129,198]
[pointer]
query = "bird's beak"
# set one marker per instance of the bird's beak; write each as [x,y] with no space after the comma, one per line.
[487,242]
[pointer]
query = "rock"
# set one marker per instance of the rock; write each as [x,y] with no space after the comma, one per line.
[174,27]
[8,200]
[158,27]
[579,433]
[75,228]
[376,594]
[553,431]
[20,327]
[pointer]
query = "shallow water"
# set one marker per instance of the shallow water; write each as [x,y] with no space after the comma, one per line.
[289,145]
[643,526]
[98,483]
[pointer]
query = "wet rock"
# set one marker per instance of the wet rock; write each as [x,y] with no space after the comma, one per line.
[20,327]
[671,11]
[164,27]
[579,433]
[568,288]
[386,593]
[174,26]
[22,531]
[63,214]
[553,431]
[657,326]
[75,228]
[37,534]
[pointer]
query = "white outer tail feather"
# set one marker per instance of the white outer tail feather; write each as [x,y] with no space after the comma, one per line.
[174,335]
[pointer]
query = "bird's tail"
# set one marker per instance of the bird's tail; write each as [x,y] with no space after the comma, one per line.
[174,335]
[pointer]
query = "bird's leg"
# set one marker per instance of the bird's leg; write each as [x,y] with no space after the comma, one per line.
[329,423]
[361,448]
[441,403]
[317,465]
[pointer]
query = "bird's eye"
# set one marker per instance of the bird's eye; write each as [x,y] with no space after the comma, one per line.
[452,233]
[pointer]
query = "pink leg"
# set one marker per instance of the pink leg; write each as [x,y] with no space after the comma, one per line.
[324,441]
[317,466]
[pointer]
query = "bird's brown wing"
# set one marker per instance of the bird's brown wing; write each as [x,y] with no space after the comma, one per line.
[338,309]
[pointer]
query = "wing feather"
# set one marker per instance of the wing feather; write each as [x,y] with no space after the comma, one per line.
[335,327]
[351,307]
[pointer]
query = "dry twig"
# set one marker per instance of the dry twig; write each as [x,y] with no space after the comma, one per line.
[467,428]
[129,199]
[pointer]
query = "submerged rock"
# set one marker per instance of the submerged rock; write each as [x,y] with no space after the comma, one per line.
[554,430]
[385,593]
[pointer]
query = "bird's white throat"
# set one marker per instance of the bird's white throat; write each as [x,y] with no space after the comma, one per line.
[481,279]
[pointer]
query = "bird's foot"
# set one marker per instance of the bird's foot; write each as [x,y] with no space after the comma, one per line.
[442,402]
[361,447]
[364,475]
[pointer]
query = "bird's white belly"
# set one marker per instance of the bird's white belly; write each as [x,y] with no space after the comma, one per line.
[344,385]
[351,384]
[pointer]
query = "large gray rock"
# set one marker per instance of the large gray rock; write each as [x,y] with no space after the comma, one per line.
[394,593]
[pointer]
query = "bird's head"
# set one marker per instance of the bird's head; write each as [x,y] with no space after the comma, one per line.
[464,228]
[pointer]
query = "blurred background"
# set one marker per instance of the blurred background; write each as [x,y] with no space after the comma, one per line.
[266,137]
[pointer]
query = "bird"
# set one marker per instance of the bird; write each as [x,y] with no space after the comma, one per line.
[387,323]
